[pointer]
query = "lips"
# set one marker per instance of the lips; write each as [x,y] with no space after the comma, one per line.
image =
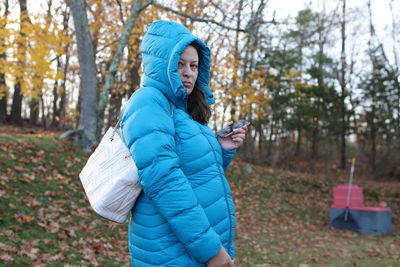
[187,84]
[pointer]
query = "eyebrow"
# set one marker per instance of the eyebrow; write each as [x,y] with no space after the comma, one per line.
[190,61]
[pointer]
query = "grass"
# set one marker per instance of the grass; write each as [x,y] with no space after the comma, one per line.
[282,217]
[282,220]
[45,218]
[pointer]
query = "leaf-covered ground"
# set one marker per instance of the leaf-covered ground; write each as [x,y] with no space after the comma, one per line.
[283,221]
[282,217]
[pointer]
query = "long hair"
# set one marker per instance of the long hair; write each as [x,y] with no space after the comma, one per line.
[198,107]
[197,104]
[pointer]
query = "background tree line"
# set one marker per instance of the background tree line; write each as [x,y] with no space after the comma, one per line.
[319,87]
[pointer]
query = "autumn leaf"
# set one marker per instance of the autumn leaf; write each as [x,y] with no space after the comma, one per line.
[7,258]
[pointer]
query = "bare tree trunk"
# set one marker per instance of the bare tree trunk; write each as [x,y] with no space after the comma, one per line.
[372,115]
[3,97]
[114,108]
[314,141]
[78,109]
[270,144]
[86,56]
[55,118]
[34,108]
[397,67]
[395,42]
[112,70]
[261,144]
[3,86]
[133,75]
[372,134]
[237,56]
[63,92]
[298,142]
[16,108]
[44,116]
[343,87]
[3,104]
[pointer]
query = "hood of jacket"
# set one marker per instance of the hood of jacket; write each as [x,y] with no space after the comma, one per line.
[161,48]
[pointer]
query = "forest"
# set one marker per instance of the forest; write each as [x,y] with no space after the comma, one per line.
[319,86]
[318,80]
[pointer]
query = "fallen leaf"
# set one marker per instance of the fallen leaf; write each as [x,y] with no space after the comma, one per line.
[7,258]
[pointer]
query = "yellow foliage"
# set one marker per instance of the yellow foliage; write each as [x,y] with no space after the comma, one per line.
[292,74]
[31,45]
[3,90]
[31,55]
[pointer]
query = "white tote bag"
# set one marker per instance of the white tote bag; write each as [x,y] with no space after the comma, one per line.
[110,178]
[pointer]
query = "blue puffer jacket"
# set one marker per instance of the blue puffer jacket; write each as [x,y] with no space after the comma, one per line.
[185,213]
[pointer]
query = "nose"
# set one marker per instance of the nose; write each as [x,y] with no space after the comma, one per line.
[187,71]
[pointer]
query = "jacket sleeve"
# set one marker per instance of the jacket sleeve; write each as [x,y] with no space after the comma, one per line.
[227,156]
[148,130]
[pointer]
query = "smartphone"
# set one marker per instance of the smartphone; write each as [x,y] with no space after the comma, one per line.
[227,131]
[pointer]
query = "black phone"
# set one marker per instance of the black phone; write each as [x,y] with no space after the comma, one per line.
[227,131]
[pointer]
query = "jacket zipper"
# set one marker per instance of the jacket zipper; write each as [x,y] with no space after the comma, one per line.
[225,193]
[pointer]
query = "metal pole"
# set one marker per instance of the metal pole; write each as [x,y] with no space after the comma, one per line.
[353,162]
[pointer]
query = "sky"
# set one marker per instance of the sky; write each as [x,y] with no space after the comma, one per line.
[381,16]
[288,8]
[283,8]
[380,8]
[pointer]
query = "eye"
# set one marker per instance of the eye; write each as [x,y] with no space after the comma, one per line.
[180,65]
[194,66]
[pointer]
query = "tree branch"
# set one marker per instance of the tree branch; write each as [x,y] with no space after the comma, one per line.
[113,68]
[121,13]
[195,18]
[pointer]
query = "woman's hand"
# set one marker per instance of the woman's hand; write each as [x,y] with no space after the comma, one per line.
[235,140]
[222,259]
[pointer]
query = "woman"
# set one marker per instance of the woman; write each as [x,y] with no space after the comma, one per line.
[185,215]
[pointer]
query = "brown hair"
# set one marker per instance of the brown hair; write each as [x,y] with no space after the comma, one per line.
[198,107]
[197,104]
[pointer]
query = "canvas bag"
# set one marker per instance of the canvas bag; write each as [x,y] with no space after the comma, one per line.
[110,178]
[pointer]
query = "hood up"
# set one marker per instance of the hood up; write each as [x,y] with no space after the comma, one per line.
[162,46]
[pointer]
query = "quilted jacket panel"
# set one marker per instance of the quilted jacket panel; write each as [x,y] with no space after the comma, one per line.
[185,213]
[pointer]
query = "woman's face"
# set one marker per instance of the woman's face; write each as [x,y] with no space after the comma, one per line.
[188,68]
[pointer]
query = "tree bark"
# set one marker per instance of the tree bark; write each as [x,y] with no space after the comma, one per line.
[298,142]
[44,116]
[3,104]
[397,68]
[3,97]
[374,84]
[16,108]
[3,86]
[56,109]
[114,108]
[63,92]
[270,143]
[133,74]
[86,56]
[112,70]
[34,108]
[236,57]
[343,88]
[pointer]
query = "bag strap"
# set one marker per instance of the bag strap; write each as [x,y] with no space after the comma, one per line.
[118,124]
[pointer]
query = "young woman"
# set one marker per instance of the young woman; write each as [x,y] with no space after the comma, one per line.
[185,215]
